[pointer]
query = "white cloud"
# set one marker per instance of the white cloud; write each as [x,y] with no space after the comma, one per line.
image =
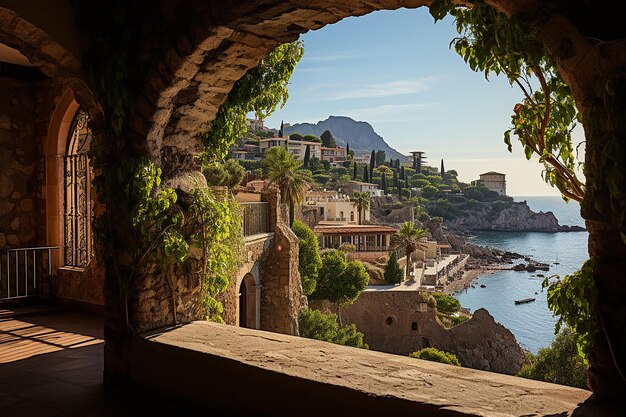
[389,113]
[333,57]
[388,89]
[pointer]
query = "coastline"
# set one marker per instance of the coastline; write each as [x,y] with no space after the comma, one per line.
[466,280]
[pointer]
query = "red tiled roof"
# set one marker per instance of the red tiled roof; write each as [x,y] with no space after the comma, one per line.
[353,229]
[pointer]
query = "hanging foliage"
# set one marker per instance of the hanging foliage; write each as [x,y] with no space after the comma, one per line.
[261,90]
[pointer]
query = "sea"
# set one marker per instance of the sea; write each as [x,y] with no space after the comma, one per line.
[531,323]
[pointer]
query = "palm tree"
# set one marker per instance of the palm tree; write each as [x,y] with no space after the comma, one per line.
[284,171]
[408,237]
[360,201]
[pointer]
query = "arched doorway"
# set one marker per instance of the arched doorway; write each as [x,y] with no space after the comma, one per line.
[248,304]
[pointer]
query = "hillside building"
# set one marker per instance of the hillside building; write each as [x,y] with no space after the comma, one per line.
[493,181]
[363,187]
[334,207]
[296,147]
[334,155]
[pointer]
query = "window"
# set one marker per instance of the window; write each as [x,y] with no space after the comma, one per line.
[78,239]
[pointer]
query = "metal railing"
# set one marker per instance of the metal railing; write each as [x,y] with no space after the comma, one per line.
[23,271]
[255,218]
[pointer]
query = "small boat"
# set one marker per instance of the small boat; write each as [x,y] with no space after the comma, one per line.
[524,301]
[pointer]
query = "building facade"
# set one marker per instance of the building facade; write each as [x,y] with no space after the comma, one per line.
[335,207]
[334,155]
[363,187]
[296,147]
[493,181]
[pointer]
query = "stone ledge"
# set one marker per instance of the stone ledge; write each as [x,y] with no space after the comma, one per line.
[249,240]
[241,371]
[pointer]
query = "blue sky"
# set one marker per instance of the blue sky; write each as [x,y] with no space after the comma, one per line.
[395,70]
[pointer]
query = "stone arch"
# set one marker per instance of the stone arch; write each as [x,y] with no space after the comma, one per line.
[249,301]
[38,46]
[193,76]
[211,45]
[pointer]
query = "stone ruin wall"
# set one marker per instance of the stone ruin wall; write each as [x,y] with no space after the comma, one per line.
[479,343]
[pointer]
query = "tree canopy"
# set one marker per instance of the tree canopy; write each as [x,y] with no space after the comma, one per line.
[317,325]
[492,43]
[328,140]
[560,363]
[261,90]
[284,171]
[309,259]
[340,280]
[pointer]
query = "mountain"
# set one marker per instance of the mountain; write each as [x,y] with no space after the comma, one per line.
[360,135]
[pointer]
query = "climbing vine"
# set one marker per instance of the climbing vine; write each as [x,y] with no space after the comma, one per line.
[491,43]
[142,226]
[573,300]
[261,90]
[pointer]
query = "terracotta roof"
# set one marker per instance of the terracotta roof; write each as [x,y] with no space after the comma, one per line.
[353,229]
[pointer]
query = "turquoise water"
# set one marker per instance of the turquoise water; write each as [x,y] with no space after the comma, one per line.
[532,323]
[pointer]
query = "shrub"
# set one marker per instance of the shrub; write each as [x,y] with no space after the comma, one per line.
[436,355]
[321,178]
[347,247]
[446,303]
[393,272]
[374,272]
[560,363]
[456,320]
[317,325]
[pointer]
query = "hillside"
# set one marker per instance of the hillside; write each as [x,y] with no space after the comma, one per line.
[360,135]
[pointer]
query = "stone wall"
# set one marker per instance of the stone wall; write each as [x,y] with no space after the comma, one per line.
[281,296]
[72,286]
[256,252]
[18,157]
[400,322]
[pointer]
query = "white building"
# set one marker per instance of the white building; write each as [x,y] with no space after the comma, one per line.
[363,158]
[363,187]
[493,181]
[296,147]
[335,207]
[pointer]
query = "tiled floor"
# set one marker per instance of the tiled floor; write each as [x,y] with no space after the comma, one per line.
[51,365]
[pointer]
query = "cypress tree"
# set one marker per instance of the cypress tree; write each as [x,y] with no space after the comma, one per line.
[393,272]
[307,156]
[442,168]
[383,183]
[372,162]
[400,189]
[366,177]
[354,172]
[347,148]
[395,178]
[280,131]
[402,173]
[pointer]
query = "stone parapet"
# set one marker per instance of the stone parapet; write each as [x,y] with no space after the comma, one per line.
[278,372]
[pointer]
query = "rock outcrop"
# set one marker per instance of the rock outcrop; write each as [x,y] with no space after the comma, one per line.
[512,216]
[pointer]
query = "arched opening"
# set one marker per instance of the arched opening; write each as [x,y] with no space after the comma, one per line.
[248,303]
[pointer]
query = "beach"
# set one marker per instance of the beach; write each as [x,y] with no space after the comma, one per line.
[467,278]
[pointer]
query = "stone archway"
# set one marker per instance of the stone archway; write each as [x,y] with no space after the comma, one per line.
[193,76]
[249,307]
